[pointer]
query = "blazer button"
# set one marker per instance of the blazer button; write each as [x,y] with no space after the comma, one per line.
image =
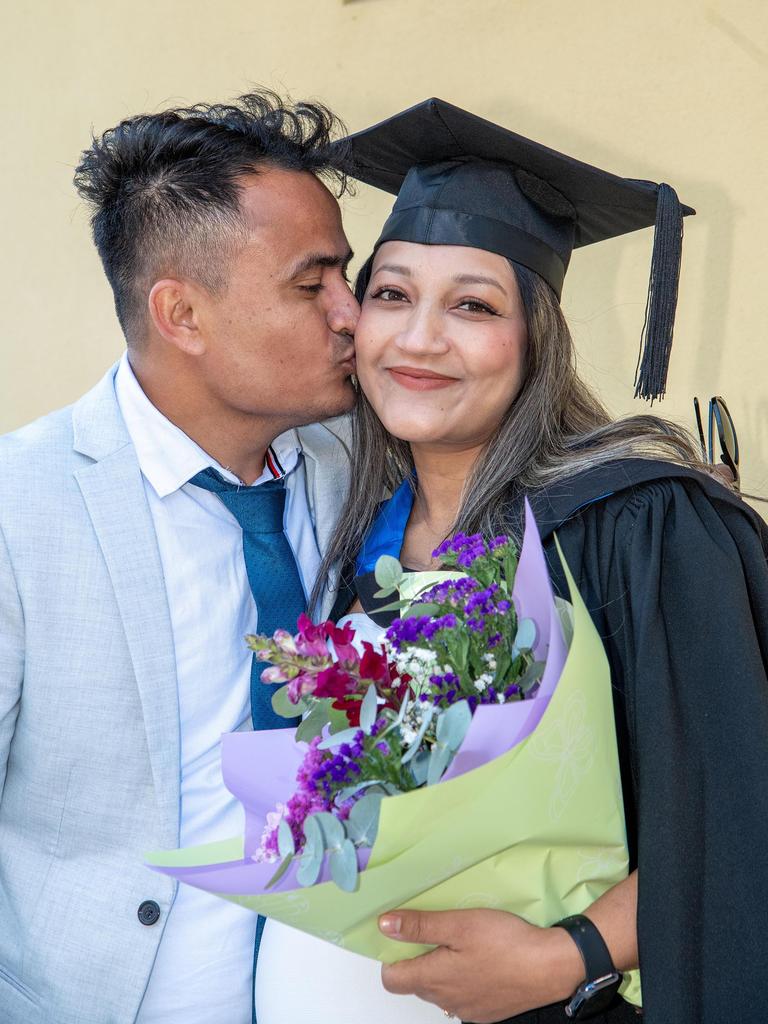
[149,912]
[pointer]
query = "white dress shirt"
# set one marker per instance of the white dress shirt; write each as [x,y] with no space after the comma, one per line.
[203,970]
[301,979]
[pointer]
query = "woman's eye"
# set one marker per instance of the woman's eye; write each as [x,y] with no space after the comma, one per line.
[474,306]
[388,295]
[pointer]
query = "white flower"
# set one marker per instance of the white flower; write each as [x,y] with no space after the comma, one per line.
[483,682]
[490,661]
[408,734]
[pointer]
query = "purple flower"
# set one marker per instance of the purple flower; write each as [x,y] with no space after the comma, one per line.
[403,631]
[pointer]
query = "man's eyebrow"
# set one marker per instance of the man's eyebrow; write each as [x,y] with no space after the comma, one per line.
[479,279]
[394,268]
[321,259]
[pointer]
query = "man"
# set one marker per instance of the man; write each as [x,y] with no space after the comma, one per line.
[126,588]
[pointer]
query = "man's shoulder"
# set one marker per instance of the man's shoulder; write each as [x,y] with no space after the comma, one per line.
[47,440]
[40,458]
[328,442]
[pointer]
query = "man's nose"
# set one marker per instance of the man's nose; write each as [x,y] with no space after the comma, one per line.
[344,311]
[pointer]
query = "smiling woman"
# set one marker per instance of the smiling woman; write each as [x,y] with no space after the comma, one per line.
[470,403]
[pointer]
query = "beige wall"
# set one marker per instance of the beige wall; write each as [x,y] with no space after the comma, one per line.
[660,89]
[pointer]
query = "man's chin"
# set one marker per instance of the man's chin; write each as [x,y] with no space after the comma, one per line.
[346,401]
[343,402]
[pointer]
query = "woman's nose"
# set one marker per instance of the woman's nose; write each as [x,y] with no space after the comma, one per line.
[423,332]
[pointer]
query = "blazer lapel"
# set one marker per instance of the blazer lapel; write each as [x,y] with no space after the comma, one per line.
[325,447]
[113,490]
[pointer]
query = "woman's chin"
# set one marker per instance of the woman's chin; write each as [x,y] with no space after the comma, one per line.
[416,432]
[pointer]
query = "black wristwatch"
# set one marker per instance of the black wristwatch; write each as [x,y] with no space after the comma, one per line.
[598,991]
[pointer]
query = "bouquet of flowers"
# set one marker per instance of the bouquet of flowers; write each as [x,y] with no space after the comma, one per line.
[468,761]
[396,715]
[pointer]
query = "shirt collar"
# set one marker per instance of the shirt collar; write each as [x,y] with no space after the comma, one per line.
[169,458]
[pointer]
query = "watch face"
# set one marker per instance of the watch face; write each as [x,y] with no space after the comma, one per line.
[593,996]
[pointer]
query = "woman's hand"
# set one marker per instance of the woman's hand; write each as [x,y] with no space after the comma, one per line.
[489,965]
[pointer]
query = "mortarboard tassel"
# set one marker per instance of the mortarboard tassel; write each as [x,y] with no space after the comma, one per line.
[656,342]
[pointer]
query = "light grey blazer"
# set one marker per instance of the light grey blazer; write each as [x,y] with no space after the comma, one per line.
[89,719]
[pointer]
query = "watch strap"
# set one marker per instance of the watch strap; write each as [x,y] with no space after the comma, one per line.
[590,944]
[598,991]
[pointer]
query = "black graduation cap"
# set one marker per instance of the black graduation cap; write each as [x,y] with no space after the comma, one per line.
[462,180]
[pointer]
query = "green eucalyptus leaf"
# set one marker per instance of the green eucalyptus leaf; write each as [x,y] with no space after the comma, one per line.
[531,675]
[368,710]
[415,610]
[282,706]
[452,725]
[565,612]
[343,864]
[345,736]
[419,767]
[331,828]
[413,749]
[313,834]
[285,843]
[337,720]
[363,821]
[388,572]
[310,865]
[526,636]
[385,788]
[349,791]
[313,724]
[314,849]
[400,716]
[285,864]
[394,606]
[439,760]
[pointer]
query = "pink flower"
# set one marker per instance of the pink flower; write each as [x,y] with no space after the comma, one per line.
[373,664]
[268,850]
[342,641]
[334,682]
[284,642]
[311,640]
[274,674]
[303,684]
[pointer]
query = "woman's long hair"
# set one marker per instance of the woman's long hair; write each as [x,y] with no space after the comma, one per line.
[554,428]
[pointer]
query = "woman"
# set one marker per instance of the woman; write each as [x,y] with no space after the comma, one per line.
[470,401]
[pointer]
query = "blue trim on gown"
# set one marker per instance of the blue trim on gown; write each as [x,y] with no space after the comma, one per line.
[385,536]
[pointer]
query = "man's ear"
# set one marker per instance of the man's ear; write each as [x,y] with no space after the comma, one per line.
[174,308]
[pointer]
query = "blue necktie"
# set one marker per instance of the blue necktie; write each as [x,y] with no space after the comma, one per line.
[272,572]
[275,584]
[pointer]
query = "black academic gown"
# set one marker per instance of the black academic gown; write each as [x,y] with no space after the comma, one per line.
[674,570]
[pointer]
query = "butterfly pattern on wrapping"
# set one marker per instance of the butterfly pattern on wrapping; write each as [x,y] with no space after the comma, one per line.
[569,741]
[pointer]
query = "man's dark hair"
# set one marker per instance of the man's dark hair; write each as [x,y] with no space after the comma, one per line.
[164,187]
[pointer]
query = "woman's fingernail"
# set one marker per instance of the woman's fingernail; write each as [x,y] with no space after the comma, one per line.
[390,924]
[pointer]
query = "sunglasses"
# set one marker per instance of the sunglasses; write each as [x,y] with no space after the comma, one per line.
[722,443]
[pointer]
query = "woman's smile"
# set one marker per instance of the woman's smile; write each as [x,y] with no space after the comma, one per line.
[415,379]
